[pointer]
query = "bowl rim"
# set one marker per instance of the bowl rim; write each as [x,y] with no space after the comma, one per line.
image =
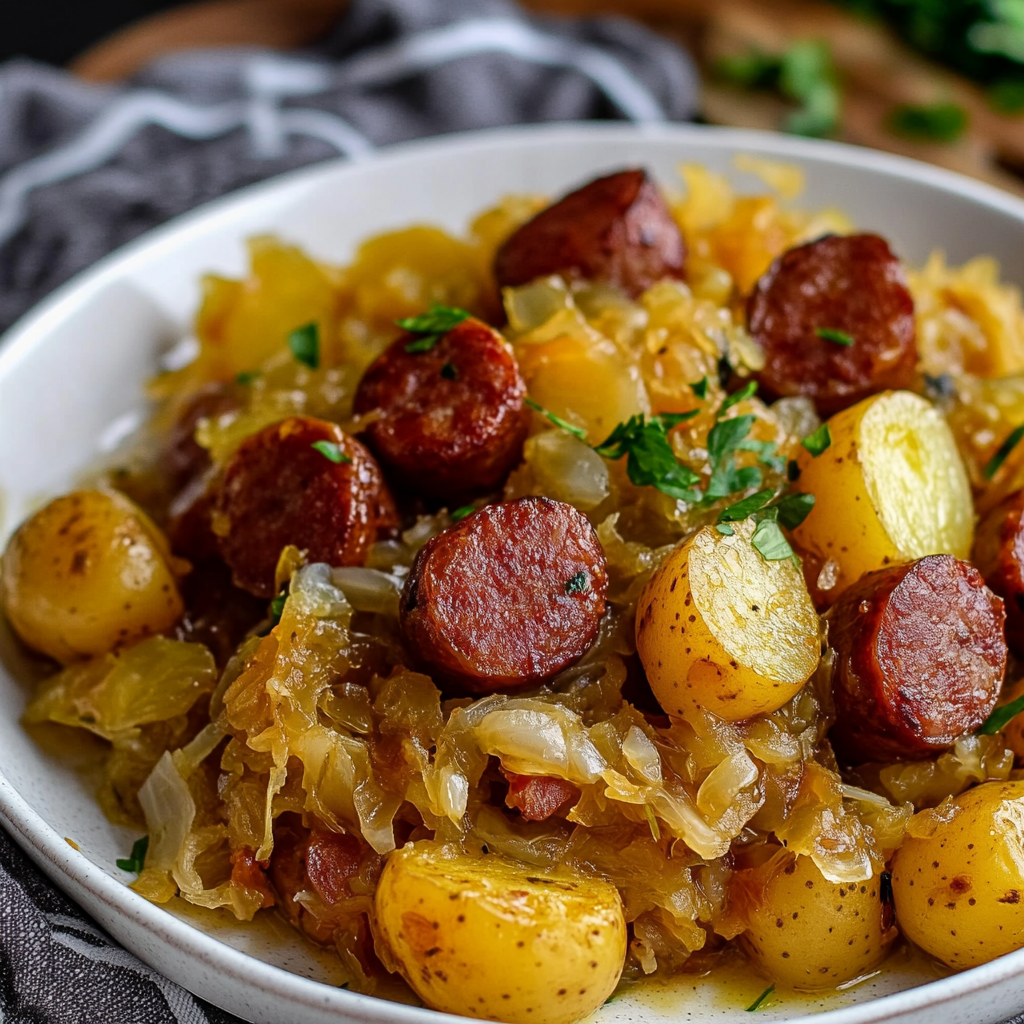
[49,849]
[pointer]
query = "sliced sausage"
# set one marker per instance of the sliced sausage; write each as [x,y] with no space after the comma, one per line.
[919,659]
[247,871]
[278,490]
[539,797]
[183,457]
[508,597]
[615,229]
[452,420]
[999,556]
[850,286]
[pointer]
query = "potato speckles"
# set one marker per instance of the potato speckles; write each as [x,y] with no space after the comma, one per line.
[747,639]
[973,844]
[830,933]
[491,938]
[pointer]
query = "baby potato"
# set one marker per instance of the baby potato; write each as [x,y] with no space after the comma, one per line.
[806,932]
[88,573]
[958,881]
[891,488]
[490,937]
[721,628]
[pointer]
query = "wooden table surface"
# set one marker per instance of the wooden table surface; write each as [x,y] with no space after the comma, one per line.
[876,71]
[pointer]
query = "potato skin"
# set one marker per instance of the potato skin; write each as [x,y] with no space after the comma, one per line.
[88,573]
[959,891]
[806,932]
[766,643]
[492,938]
[845,528]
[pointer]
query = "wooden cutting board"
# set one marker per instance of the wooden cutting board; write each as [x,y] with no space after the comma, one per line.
[877,72]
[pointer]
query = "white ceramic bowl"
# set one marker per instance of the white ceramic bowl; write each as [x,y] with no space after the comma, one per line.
[71,377]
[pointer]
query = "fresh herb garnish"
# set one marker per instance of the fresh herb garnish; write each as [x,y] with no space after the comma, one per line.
[449,372]
[760,1000]
[578,583]
[557,420]
[789,511]
[432,326]
[700,388]
[834,335]
[725,438]
[747,391]
[460,513]
[818,441]
[1007,96]
[305,345]
[931,122]
[650,461]
[1001,717]
[277,608]
[332,451]
[1002,453]
[746,507]
[794,509]
[137,861]
[247,376]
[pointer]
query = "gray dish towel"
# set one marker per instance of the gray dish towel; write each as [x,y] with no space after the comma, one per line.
[84,169]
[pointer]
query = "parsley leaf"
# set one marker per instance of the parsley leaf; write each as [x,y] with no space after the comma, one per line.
[700,388]
[931,122]
[137,861]
[557,420]
[746,507]
[305,345]
[760,1000]
[432,326]
[578,584]
[277,608]
[1001,717]
[724,439]
[332,451]
[449,372]
[770,541]
[650,460]
[794,509]
[1003,452]
[461,513]
[738,396]
[818,441]
[834,335]
[247,376]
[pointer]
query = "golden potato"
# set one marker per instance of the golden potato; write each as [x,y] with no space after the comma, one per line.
[807,932]
[958,878]
[721,628]
[88,573]
[490,937]
[890,488]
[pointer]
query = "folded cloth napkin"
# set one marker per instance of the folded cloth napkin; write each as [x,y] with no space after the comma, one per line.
[85,168]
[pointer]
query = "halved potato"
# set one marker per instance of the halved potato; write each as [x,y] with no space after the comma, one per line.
[891,488]
[490,937]
[722,629]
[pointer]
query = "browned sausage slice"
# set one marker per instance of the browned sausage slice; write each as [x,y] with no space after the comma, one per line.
[919,659]
[507,598]
[615,229]
[999,556]
[278,490]
[452,420]
[848,287]
[539,797]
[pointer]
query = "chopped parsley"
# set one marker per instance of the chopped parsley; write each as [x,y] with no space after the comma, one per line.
[834,335]
[137,861]
[650,461]
[277,608]
[725,438]
[460,513]
[557,420]
[760,1000]
[1003,452]
[432,326]
[931,122]
[578,584]
[247,376]
[305,345]
[449,372]
[738,396]
[332,451]
[769,540]
[747,507]
[1001,717]
[700,388]
[818,441]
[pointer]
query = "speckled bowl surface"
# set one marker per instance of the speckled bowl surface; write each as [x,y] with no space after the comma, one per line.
[71,378]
